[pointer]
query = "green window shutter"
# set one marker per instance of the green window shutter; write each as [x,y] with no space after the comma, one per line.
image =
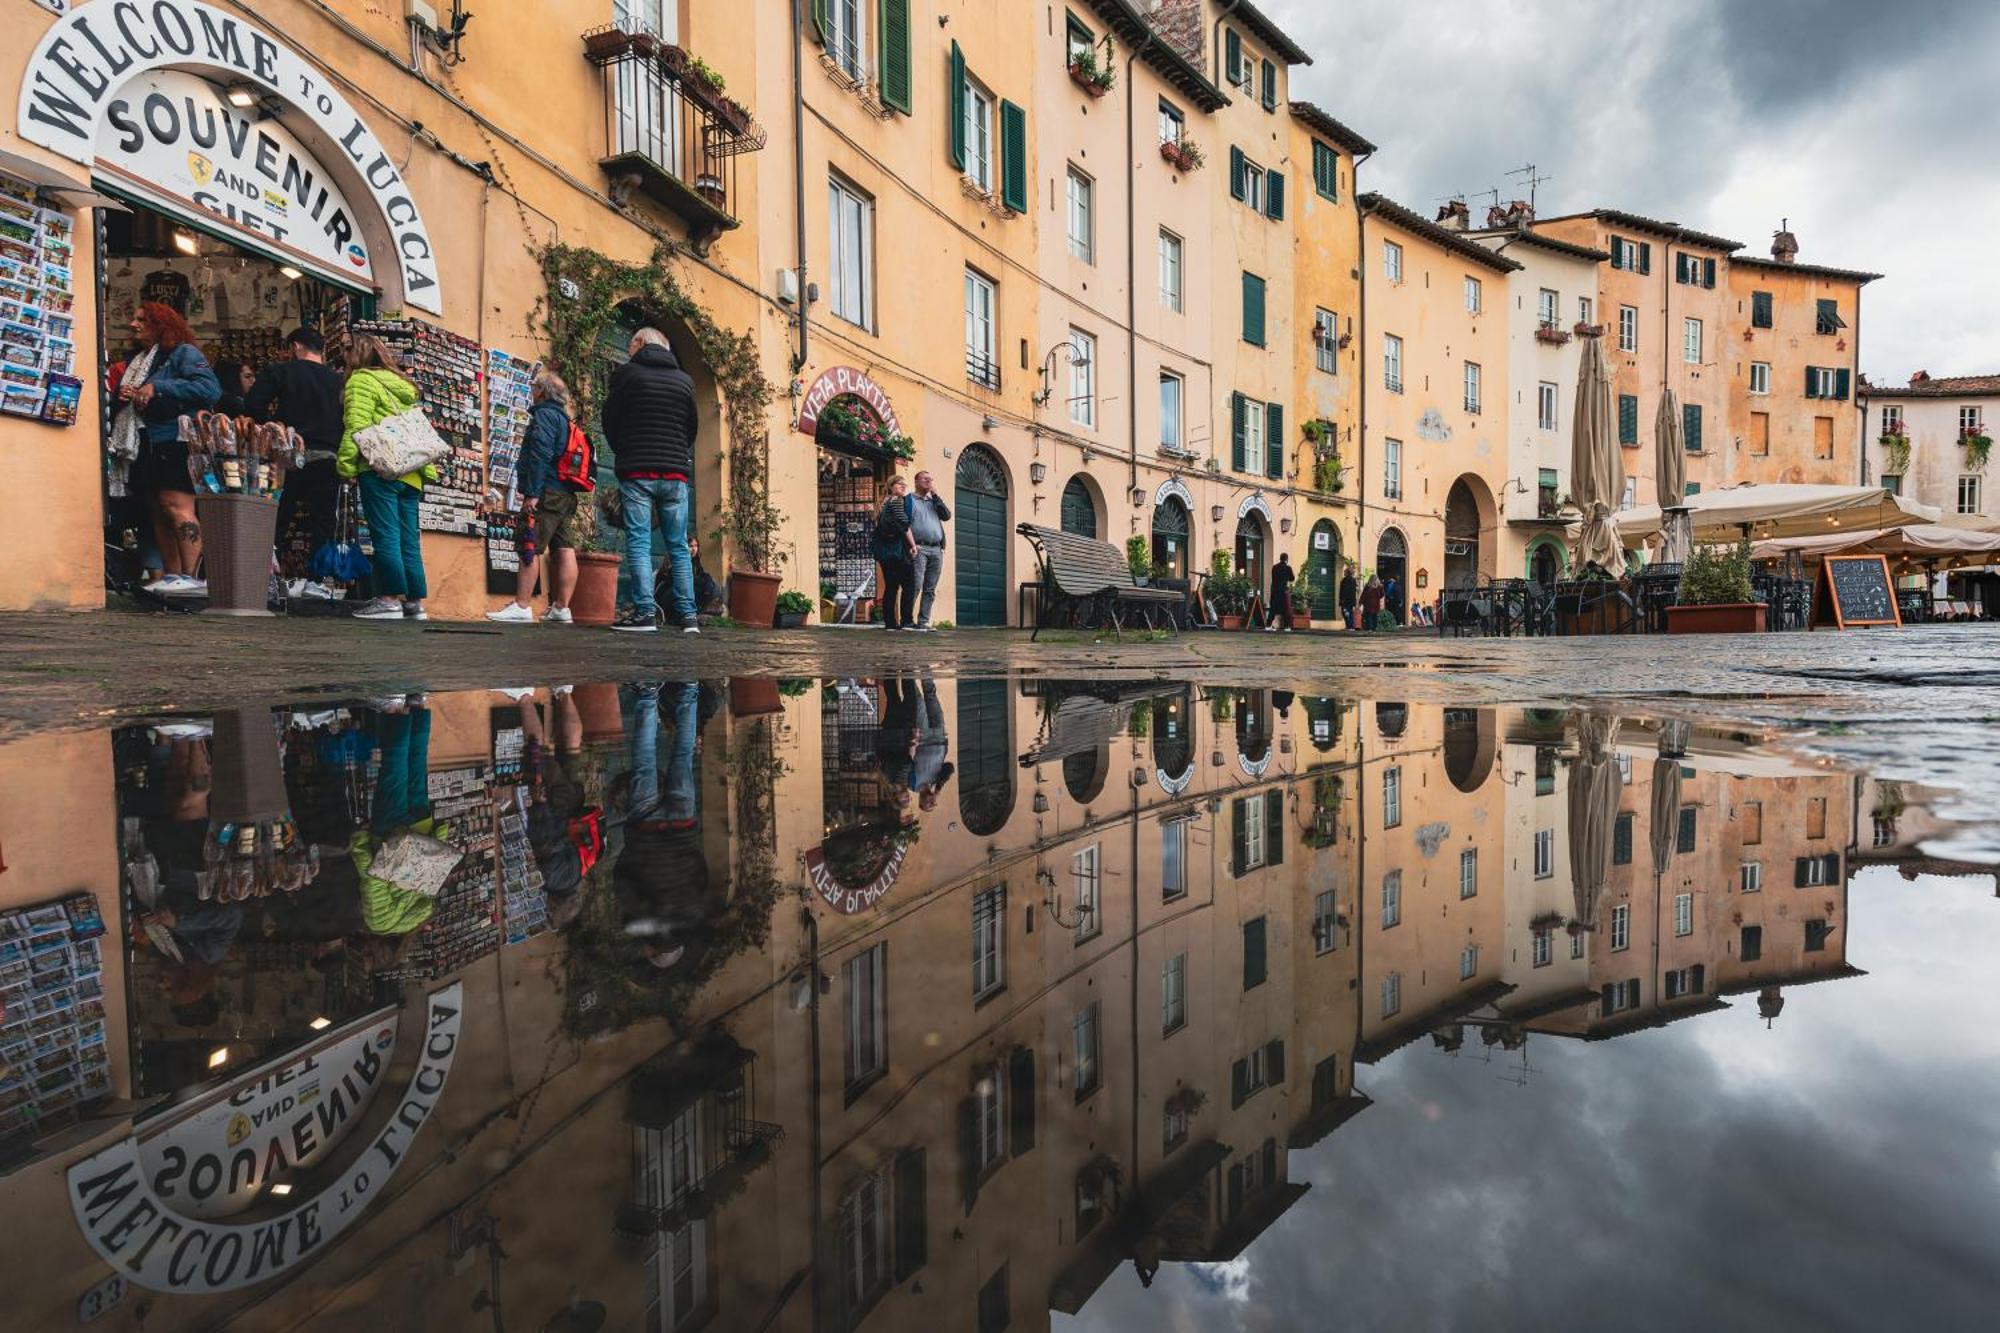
[1239,850]
[1274,195]
[894,53]
[1691,426]
[955,72]
[1708,274]
[819,21]
[1680,268]
[1760,310]
[1232,55]
[1236,183]
[1841,384]
[1812,381]
[1645,256]
[1274,1069]
[1628,419]
[1270,86]
[1236,460]
[1274,823]
[1253,310]
[1014,157]
[1274,440]
[1255,968]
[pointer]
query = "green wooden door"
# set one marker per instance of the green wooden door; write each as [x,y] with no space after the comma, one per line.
[979,512]
[985,757]
[1079,515]
[1323,565]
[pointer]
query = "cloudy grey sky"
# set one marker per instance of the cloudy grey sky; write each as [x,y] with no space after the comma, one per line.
[1871,124]
[1837,1170]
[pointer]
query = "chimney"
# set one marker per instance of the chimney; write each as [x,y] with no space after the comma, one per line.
[1921,377]
[1517,213]
[1178,23]
[1784,245]
[1455,216]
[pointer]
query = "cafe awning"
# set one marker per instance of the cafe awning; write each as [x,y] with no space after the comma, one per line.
[1782,510]
[1947,544]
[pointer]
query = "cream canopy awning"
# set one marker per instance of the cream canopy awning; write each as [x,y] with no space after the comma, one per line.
[1949,546]
[1786,510]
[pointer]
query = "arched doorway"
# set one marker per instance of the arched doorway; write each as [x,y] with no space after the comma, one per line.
[1079,508]
[1323,568]
[986,757]
[1392,567]
[1170,537]
[1253,550]
[853,469]
[1083,773]
[1470,533]
[979,512]
[1471,740]
[1173,740]
[1545,563]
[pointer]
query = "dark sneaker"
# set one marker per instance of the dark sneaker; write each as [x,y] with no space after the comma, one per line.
[635,622]
[690,627]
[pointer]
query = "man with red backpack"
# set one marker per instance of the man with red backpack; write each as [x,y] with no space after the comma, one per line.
[553,476]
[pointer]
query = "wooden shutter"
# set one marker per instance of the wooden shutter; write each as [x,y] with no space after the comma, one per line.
[1274,828]
[1274,441]
[1237,187]
[1021,1100]
[1628,419]
[1274,1062]
[968,1152]
[1832,875]
[819,21]
[1760,309]
[955,73]
[894,53]
[1274,194]
[1239,1083]
[1812,381]
[912,1222]
[1238,851]
[1014,157]
[1270,86]
[1841,383]
[1691,427]
[1799,872]
[1236,459]
[1708,273]
[1232,55]
[1645,256]
[1253,309]
[1254,970]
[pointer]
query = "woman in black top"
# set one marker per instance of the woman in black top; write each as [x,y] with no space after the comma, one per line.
[895,550]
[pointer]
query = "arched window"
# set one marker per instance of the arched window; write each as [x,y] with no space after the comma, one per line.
[1079,511]
[1170,537]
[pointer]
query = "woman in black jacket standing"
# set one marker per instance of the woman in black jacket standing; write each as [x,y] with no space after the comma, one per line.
[895,550]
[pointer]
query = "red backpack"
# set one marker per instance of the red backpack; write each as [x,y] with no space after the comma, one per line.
[576,464]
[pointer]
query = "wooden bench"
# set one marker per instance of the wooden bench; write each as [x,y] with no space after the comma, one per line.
[1081,575]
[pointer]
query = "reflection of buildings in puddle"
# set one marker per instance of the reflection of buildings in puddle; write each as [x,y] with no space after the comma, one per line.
[1175,966]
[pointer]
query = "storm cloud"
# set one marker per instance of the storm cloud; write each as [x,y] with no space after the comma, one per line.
[1870,125]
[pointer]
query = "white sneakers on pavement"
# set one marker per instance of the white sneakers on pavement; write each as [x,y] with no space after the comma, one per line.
[513,614]
[382,608]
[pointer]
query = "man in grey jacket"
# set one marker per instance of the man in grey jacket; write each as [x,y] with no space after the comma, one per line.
[928,515]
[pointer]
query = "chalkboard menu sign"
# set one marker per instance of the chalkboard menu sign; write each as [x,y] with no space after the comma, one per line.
[1855,590]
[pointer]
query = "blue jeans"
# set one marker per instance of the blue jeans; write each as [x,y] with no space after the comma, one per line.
[679,802]
[398,565]
[670,499]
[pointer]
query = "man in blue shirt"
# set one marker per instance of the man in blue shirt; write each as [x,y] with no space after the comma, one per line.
[928,515]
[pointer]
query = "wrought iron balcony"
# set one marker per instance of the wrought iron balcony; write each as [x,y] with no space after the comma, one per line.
[672,134]
[982,369]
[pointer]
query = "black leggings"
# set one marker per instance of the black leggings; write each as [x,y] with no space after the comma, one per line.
[899,593]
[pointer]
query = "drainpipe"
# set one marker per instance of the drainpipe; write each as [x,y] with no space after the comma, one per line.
[1667,357]
[799,173]
[1132,266]
[1854,377]
[810,921]
[1361,371]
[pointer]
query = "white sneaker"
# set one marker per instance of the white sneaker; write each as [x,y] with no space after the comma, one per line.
[516,693]
[513,614]
[415,611]
[382,608]
[181,586]
[557,615]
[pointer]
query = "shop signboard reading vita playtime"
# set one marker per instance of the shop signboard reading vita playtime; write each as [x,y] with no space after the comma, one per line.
[172,140]
[110,86]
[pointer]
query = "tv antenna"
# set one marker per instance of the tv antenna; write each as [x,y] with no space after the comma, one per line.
[1534,178]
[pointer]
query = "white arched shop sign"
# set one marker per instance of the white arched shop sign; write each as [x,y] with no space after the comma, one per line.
[247,182]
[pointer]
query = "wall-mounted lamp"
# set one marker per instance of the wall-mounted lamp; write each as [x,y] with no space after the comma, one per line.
[185,242]
[1048,368]
[243,95]
[989,423]
[1284,525]
[1038,472]
[1215,513]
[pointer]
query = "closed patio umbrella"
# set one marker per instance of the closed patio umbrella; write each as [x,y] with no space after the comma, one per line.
[1593,810]
[1596,470]
[1670,476]
[1664,830]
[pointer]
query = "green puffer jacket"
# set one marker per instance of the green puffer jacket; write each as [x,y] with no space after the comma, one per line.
[385,908]
[372,396]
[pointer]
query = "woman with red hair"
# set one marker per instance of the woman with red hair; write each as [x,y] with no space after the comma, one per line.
[163,381]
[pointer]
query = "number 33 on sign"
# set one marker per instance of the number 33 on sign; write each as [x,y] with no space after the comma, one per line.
[100,1299]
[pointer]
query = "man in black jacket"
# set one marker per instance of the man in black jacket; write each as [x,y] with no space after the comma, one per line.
[650,422]
[305,395]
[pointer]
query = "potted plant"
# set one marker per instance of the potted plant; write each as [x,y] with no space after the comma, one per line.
[599,553]
[1303,591]
[1715,593]
[706,75]
[1184,154]
[1139,558]
[644,44]
[1230,595]
[1330,475]
[606,43]
[792,609]
[734,114]
[1895,452]
[1089,75]
[749,527]
[1552,334]
[709,186]
[1978,444]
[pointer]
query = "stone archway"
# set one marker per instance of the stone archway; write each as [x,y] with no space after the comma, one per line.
[1471,740]
[1471,532]
[1392,566]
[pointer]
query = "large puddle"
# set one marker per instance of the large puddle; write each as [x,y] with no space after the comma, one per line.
[933,1004]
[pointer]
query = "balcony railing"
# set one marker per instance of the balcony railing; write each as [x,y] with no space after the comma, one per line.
[982,369]
[672,135]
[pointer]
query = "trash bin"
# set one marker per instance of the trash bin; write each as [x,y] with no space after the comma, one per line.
[236,536]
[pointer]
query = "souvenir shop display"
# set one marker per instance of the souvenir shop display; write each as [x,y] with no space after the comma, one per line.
[239,455]
[254,859]
[53,1057]
[252,347]
[37,308]
[447,372]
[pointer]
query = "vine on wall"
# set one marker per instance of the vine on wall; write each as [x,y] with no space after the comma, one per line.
[585,291]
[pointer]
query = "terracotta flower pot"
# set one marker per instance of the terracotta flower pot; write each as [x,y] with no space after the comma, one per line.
[597,709]
[752,696]
[595,601]
[1726,618]
[1300,620]
[753,597]
[1229,621]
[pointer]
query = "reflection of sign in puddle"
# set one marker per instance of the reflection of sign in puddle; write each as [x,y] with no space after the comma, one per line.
[150,1207]
[858,898]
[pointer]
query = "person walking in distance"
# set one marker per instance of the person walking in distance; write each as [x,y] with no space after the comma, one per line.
[928,515]
[1281,593]
[895,550]
[550,503]
[1350,596]
[305,394]
[1371,602]
[650,422]
[377,390]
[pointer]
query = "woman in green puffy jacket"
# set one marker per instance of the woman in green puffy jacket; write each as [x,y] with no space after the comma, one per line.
[376,390]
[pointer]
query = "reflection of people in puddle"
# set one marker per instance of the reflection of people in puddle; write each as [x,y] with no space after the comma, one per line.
[661,876]
[911,745]
[402,803]
[180,924]
[565,837]
[930,769]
